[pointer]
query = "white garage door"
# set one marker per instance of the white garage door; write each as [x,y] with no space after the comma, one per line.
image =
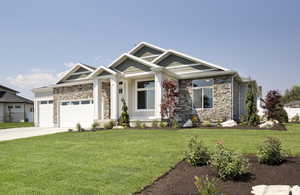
[46,113]
[73,112]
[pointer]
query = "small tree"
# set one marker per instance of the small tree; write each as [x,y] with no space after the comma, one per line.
[169,101]
[124,118]
[252,117]
[275,110]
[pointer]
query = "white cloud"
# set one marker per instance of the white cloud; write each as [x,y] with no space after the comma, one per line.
[32,80]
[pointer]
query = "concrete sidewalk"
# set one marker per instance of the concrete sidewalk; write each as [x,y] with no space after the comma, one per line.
[17,133]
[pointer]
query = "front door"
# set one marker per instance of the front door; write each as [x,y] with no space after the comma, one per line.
[122,90]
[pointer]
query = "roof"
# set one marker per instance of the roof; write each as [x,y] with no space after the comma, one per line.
[9,89]
[295,104]
[6,97]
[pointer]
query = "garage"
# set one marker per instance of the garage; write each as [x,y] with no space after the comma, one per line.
[73,112]
[46,113]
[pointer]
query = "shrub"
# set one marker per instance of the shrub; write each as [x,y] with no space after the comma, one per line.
[195,120]
[252,117]
[270,152]
[275,110]
[197,153]
[175,124]
[229,165]
[78,127]
[282,115]
[206,124]
[206,186]
[94,126]
[295,118]
[124,118]
[143,125]
[138,124]
[109,125]
[154,124]
[163,124]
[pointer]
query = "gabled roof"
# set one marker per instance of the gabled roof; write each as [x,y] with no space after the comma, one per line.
[143,44]
[170,52]
[8,89]
[6,97]
[73,69]
[100,69]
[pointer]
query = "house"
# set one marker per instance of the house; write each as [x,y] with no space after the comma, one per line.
[86,94]
[292,108]
[14,108]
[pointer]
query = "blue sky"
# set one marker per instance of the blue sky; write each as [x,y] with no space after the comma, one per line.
[40,39]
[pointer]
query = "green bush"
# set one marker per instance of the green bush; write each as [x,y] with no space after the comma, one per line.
[163,124]
[175,124]
[206,124]
[109,125]
[282,115]
[78,127]
[195,120]
[270,152]
[229,165]
[94,126]
[197,153]
[124,118]
[295,118]
[143,125]
[138,124]
[154,124]
[206,186]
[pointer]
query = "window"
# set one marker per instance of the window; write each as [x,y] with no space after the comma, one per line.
[203,93]
[145,95]
[85,102]
[50,102]
[75,103]
[10,107]
[65,103]
[44,102]
[31,110]
[17,107]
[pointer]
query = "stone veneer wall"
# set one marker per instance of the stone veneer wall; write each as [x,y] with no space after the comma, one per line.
[105,91]
[75,92]
[222,101]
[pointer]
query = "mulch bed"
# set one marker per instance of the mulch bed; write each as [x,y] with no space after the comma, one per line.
[180,179]
[279,127]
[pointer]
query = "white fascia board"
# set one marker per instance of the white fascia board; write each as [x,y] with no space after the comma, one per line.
[142,44]
[169,52]
[104,69]
[73,69]
[205,74]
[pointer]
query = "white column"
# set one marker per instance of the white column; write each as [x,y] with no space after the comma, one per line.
[36,113]
[114,98]
[97,85]
[158,93]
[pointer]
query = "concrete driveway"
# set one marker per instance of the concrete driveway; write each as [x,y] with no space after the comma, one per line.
[17,133]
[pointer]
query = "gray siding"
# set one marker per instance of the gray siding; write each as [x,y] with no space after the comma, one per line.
[236,100]
[146,51]
[129,67]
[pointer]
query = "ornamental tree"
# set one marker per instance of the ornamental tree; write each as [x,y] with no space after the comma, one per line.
[124,118]
[252,117]
[274,107]
[169,100]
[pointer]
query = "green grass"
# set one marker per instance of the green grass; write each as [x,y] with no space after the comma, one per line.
[15,125]
[111,162]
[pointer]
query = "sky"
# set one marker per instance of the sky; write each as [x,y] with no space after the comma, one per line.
[39,40]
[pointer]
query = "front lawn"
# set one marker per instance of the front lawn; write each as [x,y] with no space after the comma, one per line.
[15,125]
[111,162]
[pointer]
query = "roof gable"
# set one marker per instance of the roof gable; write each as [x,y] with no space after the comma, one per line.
[130,66]
[78,72]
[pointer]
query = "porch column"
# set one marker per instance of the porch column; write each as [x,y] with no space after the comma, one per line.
[97,86]
[114,98]
[158,93]
[36,113]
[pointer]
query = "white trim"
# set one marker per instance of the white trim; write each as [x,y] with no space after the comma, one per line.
[79,73]
[151,56]
[183,65]
[143,89]
[169,52]
[138,74]
[205,87]
[195,71]
[72,70]
[142,44]
[104,69]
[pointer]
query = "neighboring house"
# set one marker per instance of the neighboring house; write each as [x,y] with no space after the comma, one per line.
[86,94]
[292,108]
[14,108]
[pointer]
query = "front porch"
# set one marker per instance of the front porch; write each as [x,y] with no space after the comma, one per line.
[142,94]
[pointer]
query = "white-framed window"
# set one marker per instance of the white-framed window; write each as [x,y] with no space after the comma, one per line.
[17,107]
[202,93]
[145,95]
